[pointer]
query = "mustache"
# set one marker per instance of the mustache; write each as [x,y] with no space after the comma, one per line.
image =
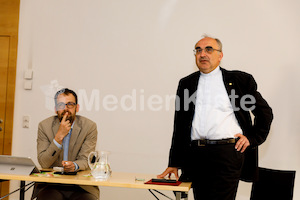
[203,59]
[70,117]
[64,112]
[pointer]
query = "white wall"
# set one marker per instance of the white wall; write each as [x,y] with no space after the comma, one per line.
[116,47]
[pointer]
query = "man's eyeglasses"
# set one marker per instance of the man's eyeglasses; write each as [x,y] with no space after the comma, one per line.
[208,50]
[61,105]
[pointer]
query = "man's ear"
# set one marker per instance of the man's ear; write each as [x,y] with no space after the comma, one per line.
[77,107]
[220,56]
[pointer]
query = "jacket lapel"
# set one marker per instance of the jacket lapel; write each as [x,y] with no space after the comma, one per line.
[228,81]
[231,89]
[55,126]
[194,83]
[75,133]
[193,89]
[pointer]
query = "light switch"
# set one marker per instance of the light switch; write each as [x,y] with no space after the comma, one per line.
[28,74]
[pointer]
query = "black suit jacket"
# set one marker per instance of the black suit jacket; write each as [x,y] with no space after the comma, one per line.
[256,131]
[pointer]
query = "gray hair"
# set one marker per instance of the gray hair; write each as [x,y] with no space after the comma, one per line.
[217,40]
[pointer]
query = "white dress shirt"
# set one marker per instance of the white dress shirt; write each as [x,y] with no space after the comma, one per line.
[214,117]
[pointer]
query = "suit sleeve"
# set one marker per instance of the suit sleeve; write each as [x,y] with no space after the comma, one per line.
[181,131]
[263,116]
[47,151]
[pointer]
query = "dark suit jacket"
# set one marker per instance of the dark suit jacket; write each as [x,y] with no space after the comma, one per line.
[82,142]
[256,131]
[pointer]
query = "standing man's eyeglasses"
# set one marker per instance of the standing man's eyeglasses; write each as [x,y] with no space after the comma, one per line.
[208,50]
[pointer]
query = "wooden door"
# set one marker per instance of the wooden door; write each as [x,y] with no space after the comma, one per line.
[4,61]
[9,21]
[4,53]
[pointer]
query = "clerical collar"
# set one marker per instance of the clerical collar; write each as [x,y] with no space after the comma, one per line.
[215,71]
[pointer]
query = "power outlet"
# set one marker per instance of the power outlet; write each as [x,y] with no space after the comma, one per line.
[26,120]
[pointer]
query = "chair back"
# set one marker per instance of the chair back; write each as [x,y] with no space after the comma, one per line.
[273,184]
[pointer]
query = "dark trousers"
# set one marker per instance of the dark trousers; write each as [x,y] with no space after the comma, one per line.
[215,171]
[63,192]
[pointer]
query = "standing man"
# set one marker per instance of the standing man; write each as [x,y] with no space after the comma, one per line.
[215,141]
[65,141]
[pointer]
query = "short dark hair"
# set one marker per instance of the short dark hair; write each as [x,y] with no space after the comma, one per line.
[65,91]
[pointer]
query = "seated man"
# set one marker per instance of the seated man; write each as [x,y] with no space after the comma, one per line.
[65,141]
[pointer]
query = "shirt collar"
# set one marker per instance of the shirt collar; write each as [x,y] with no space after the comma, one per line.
[214,72]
